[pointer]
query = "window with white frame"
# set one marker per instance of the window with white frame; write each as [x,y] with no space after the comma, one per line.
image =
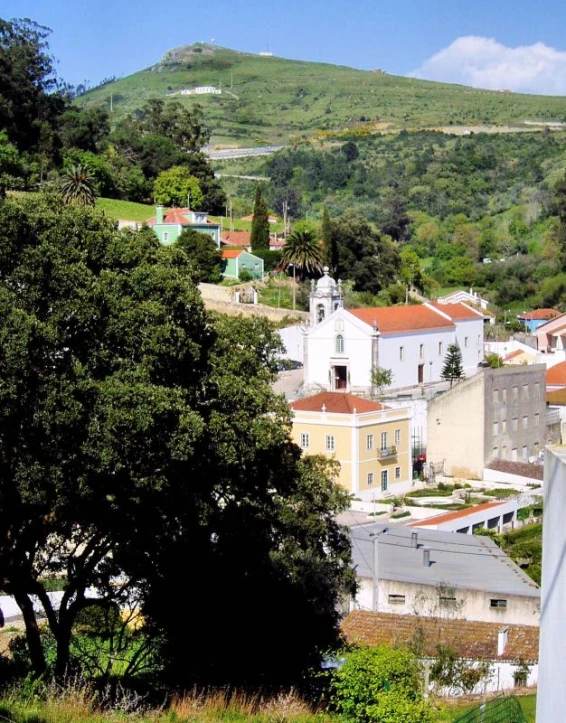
[384,480]
[465,341]
[497,603]
[330,443]
[339,344]
[537,420]
[394,599]
[504,426]
[495,396]
[369,441]
[421,351]
[401,353]
[440,348]
[397,472]
[525,452]
[166,235]
[525,422]
[515,424]
[397,437]
[495,429]
[479,339]
[304,440]
[370,479]
[384,440]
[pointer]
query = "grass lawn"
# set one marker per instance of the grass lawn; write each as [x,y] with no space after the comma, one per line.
[125,210]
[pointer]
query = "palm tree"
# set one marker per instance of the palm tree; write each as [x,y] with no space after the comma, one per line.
[78,186]
[303,251]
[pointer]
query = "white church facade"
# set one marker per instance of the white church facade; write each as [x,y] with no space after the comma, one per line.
[342,347]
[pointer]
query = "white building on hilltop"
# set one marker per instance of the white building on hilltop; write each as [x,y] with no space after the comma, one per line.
[342,346]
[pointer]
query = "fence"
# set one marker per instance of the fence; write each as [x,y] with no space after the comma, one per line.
[498,710]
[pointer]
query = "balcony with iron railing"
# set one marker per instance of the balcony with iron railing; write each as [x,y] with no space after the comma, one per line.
[385,452]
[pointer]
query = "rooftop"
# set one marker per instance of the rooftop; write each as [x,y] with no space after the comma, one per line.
[337,403]
[178,216]
[456,515]
[469,562]
[539,315]
[458,311]
[556,375]
[235,238]
[557,398]
[395,319]
[470,639]
[231,253]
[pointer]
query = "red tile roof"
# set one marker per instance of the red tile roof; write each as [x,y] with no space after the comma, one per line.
[337,403]
[235,238]
[469,638]
[456,515]
[539,314]
[176,216]
[556,375]
[393,319]
[231,253]
[458,311]
[514,354]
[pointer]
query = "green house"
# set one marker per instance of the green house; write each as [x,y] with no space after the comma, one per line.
[236,260]
[168,225]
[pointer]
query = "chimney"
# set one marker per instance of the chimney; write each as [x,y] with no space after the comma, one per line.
[414,539]
[426,557]
[159,214]
[502,638]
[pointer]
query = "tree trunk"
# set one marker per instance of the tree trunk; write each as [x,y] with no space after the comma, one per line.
[63,651]
[32,633]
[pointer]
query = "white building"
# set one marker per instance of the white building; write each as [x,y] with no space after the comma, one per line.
[552,662]
[342,347]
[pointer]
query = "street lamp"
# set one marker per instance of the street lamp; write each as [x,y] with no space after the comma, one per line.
[376,536]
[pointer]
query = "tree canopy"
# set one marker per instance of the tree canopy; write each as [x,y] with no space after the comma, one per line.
[140,441]
[259,236]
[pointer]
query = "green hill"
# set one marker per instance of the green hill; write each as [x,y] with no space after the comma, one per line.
[267,100]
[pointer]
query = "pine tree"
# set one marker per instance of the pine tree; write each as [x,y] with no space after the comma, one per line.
[452,370]
[259,238]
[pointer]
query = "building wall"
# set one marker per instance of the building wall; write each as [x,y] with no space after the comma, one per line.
[469,337]
[322,355]
[168,233]
[515,409]
[350,434]
[251,263]
[455,429]
[552,657]
[425,600]
[230,268]
[434,345]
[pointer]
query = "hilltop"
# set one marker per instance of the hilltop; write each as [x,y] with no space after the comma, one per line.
[271,100]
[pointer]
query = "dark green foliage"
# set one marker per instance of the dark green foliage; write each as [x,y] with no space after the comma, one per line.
[380,685]
[204,255]
[259,236]
[77,186]
[271,259]
[366,258]
[303,250]
[452,370]
[140,439]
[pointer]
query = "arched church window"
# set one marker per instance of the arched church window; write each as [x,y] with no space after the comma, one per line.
[339,344]
[320,313]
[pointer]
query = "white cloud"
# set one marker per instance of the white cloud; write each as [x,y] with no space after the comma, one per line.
[485,63]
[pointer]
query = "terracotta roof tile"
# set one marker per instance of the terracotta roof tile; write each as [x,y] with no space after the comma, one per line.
[458,311]
[539,315]
[231,253]
[236,238]
[337,403]
[457,514]
[515,354]
[470,639]
[394,319]
[556,375]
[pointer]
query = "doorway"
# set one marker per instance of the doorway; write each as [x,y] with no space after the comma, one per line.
[421,374]
[340,378]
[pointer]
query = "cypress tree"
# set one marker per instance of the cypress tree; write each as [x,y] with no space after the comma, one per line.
[452,369]
[259,238]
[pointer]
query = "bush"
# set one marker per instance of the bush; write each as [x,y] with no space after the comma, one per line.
[381,685]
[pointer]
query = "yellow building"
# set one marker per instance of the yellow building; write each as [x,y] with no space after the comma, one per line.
[371,441]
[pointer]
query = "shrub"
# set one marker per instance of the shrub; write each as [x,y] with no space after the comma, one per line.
[381,685]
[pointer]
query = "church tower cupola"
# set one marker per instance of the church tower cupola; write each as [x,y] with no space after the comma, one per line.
[325,297]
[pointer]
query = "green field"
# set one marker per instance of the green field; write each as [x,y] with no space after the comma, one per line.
[273,100]
[125,210]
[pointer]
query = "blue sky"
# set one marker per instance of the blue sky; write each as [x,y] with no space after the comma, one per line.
[496,43]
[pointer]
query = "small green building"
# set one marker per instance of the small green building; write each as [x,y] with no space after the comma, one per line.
[236,260]
[168,225]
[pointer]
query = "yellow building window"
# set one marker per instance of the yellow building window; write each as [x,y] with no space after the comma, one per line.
[369,441]
[329,443]
[304,441]
[370,479]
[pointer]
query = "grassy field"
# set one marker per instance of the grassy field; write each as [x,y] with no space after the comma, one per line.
[125,210]
[272,100]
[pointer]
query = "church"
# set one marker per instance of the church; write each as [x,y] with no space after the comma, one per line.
[342,347]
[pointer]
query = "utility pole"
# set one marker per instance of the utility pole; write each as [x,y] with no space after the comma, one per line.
[376,536]
[231,218]
[294,286]
[285,207]
[111,103]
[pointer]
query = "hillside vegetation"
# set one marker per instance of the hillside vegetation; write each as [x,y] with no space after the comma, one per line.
[272,100]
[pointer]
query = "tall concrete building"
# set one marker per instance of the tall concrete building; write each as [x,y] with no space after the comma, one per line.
[496,414]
